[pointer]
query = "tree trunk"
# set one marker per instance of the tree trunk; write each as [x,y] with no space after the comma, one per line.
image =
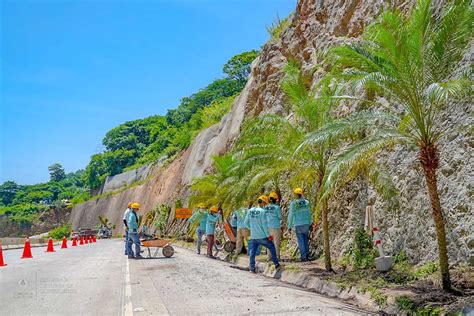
[327,251]
[429,159]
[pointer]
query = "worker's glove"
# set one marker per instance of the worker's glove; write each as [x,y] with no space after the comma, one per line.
[270,238]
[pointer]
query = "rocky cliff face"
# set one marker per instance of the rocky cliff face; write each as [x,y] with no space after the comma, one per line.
[316,26]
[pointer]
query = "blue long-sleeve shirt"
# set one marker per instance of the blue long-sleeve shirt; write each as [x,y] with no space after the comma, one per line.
[256,220]
[132,221]
[201,217]
[238,218]
[212,219]
[300,213]
[273,215]
[233,219]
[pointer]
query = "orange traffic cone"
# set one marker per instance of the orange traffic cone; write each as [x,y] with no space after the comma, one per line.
[74,241]
[1,256]
[81,240]
[27,250]
[64,245]
[95,240]
[50,246]
[92,238]
[86,239]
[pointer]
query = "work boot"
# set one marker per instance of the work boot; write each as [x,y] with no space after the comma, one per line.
[139,257]
[254,271]
[130,257]
[278,266]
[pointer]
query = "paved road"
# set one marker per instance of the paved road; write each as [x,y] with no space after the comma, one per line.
[96,279]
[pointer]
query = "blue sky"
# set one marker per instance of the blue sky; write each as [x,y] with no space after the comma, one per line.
[71,69]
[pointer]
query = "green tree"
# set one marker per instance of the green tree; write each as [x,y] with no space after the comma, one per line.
[8,191]
[238,67]
[56,172]
[413,61]
[38,196]
[95,171]
[132,135]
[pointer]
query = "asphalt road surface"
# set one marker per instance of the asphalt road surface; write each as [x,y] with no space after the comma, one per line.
[97,279]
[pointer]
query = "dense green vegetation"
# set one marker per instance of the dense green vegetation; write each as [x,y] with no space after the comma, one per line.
[410,61]
[62,231]
[142,141]
[24,203]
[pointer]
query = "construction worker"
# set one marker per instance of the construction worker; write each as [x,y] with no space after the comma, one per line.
[212,218]
[132,222]
[243,232]
[274,222]
[125,226]
[200,216]
[299,217]
[256,220]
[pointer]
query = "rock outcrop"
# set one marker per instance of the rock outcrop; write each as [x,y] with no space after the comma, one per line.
[316,26]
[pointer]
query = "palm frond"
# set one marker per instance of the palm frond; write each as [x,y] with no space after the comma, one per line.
[353,157]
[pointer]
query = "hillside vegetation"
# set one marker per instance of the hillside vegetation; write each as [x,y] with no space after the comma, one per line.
[139,142]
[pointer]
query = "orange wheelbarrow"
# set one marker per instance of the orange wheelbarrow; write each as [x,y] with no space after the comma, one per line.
[168,250]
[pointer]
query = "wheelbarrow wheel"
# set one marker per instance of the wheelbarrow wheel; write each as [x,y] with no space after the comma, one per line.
[229,246]
[168,251]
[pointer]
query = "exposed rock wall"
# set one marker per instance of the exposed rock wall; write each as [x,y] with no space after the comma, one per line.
[316,26]
[126,178]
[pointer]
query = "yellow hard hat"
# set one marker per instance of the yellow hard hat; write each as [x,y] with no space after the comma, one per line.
[264,198]
[135,206]
[201,205]
[273,195]
[214,209]
[130,204]
[299,191]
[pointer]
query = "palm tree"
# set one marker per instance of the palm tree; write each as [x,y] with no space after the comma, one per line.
[263,153]
[212,189]
[314,109]
[412,60]
[270,146]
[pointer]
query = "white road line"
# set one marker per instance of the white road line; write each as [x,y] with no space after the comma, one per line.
[127,308]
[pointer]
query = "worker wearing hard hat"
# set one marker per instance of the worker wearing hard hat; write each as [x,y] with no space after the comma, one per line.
[274,222]
[256,220]
[132,222]
[243,232]
[212,218]
[299,217]
[199,216]
[125,226]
